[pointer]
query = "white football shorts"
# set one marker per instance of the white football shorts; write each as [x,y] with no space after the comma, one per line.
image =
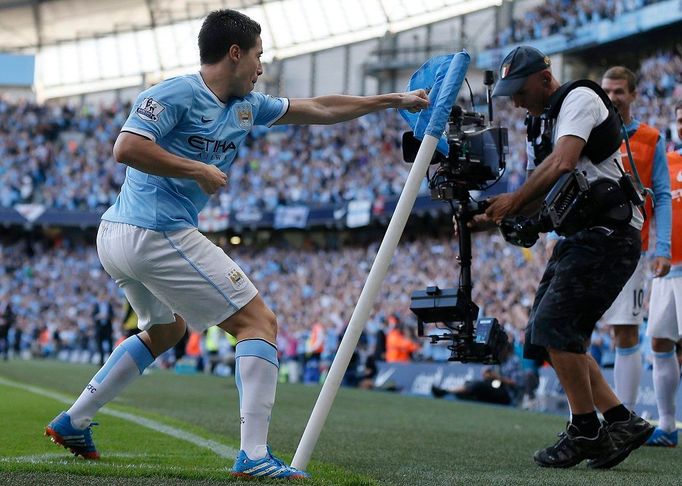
[665,309]
[173,272]
[628,308]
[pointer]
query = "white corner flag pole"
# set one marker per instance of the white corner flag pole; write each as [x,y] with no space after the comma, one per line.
[374,280]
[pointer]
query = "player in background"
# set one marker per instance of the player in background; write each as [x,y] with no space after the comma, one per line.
[179,142]
[665,313]
[626,314]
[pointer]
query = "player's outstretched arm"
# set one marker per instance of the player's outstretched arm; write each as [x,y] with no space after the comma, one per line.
[145,155]
[330,109]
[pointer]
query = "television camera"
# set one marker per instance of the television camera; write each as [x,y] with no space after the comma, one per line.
[475,161]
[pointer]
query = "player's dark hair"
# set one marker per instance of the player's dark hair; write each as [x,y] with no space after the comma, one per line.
[222,29]
[622,73]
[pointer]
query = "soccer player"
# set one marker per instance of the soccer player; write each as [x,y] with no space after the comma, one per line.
[179,142]
[626,313]
[665,314]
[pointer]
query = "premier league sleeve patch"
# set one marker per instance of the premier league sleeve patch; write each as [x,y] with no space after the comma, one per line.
[150,109]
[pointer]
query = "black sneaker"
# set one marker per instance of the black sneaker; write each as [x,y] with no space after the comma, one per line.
[628,435]
[572,448]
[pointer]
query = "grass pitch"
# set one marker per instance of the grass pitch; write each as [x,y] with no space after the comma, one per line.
[371,438]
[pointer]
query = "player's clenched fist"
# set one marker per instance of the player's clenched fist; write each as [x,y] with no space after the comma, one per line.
[210,178]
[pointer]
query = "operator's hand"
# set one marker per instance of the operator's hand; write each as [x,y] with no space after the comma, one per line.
[660,266]
[210,178]
[480,222]
[413,101]
[500,207]
[550,243]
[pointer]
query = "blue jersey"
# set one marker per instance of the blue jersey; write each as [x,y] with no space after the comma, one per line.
[184,117]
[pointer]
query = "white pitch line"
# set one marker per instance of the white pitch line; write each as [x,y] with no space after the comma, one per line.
[59,459]
[216,447]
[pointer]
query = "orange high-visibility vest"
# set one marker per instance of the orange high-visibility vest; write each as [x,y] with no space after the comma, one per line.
[193,346]
[675,168]
[399,347]
[643,147]
[315,342]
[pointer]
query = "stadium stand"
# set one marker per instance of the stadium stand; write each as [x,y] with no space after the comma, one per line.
[60,156]
[557,16]
[52,285]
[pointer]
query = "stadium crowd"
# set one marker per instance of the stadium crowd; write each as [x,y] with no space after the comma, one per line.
[51,288]
[563,16]
[60,157]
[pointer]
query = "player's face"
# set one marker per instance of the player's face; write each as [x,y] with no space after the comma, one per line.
[619,93]
[678,120]
[530,96]
[250,67]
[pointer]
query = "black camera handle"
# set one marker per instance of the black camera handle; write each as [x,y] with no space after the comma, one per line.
[463,213]
[489,80]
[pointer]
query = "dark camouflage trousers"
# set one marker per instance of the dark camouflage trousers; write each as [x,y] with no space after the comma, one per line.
[584,275]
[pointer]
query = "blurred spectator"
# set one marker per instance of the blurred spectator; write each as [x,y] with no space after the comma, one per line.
[129,320]
[503,384]
[103,315]
[399,346]
[6,323]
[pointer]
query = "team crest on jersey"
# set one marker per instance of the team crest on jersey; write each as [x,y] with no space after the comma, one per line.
[244,115]
[238,280]
[150,109]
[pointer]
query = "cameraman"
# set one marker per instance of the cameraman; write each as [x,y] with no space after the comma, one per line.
[587,269]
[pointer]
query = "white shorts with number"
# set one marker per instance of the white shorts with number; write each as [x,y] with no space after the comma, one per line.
[628,308]
[665,309]
[173,272]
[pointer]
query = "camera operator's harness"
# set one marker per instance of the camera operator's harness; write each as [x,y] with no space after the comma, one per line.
[573,204]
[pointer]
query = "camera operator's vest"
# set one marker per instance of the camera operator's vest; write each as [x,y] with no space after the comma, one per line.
[603,140]
[643,147]
[606,202]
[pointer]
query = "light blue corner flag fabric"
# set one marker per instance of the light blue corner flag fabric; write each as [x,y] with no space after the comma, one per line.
[441,76]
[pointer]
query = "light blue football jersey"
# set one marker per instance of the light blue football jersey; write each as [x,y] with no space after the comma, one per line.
[185,118]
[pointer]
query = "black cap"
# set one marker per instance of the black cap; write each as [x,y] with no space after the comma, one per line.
[516,67]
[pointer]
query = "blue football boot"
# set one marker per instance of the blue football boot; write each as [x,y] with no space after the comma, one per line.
[78,441]
[661,438]
[267,467]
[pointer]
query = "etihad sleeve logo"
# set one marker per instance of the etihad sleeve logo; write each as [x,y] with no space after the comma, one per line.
[244,115]
[150,109]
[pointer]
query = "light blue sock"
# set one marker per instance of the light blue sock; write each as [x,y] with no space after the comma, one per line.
[127,362]
[627,373]
[666,375]
[256,371]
